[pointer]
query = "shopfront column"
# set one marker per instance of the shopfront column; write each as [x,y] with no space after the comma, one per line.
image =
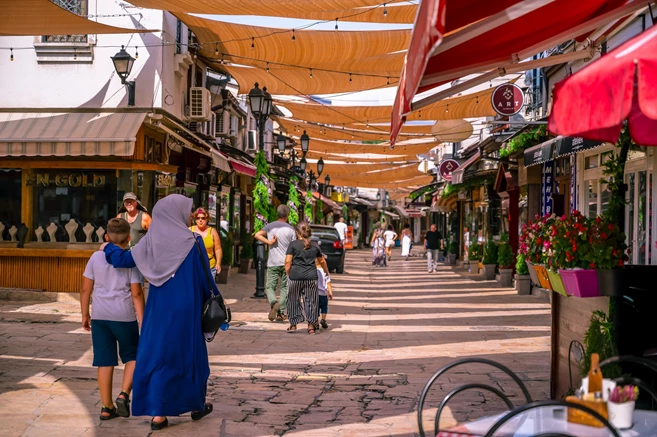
[27,201]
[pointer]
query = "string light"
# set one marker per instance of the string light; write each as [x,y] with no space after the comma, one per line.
[75,54]
[387,81]
[419,114]
[136,52]
[336,24]
[223,61]
[311,73]
[477,100]
[253,42]
[267,67]
[294,38]
[216,49]
[11,54]
[350,78]
[447,108]
[385,11]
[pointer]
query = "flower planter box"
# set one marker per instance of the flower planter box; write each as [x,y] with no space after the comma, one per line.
[222,276]
[612,282]
[532,273]
[543,278]
[524,284]
[451,259]
[556,282]
[474,265]
[580,283]
[489,271]
[244,265]
[506,277]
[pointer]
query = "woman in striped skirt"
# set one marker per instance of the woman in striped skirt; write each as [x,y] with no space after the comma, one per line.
[302,279]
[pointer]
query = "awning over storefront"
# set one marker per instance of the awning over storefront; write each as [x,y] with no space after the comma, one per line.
[361,201]
[220,161]
[327,201]
[540,153]
[400,210]
[414,213]
[242,167]
[570,145]
[442,204]
[69,134]
[457,175]
[392,215]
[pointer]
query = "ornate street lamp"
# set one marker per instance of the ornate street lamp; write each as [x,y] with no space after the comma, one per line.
[327,180]
[256,101]
[312,180]
[281,141]
[320,166]
[305,142]
[123,65]
[303,163]
[267,103]
[327,186]
[378,195]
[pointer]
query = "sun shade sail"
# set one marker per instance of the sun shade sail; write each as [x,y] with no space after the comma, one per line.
[352,10]
[42,17]
[517,31]
[337,133]
[69,134]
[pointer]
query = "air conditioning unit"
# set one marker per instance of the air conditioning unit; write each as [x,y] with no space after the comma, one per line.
[222,124]
[199,104]
[211,125]
[234,126]
[251,144]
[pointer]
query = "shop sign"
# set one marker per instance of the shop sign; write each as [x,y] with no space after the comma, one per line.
[507,99]
[548,170]
[165,180]
[68,180]
[447,167]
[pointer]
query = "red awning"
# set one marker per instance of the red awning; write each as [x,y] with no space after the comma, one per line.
[326,200]
[517,31]
[242,167]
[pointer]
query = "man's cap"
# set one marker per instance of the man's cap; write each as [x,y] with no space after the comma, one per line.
[129,196]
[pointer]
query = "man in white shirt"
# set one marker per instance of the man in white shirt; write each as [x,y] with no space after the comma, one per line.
[341,227]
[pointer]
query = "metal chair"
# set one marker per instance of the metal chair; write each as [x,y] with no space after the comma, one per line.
[626,379]
[524,408]
[576,350]
[465,387]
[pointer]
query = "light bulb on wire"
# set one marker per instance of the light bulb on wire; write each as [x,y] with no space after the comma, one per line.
[136,52]
[216,49]
[311,73]
[252,42]
[350,78]
[336,24]
[385,11]
[294,38]
[11,54]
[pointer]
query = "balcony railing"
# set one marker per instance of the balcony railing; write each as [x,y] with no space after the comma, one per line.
[78,7]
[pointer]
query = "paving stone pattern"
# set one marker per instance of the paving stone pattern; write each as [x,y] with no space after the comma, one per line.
[389,330]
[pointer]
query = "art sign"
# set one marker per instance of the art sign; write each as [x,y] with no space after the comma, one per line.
[507,99]
[447,167]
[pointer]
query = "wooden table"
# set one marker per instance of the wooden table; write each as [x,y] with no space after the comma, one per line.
[551,419]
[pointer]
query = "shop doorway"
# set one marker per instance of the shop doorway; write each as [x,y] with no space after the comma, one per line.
[637,216]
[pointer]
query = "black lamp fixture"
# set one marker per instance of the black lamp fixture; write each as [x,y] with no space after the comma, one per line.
[123,65]
[267,103]
[320,166]
[257,101]
[312,179]
[378,195]
[281,141]
[387,196]
[303,163]
[260,102]
[327,180]
[305,142]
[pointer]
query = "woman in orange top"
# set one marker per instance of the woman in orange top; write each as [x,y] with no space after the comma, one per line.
[210,239]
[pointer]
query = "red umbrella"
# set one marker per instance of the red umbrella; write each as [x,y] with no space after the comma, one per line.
[622,85]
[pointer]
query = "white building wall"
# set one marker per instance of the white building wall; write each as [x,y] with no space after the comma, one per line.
[27,83]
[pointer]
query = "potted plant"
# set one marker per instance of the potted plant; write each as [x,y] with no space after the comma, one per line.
[453,252]
[608,256]
[620,406]
[490,259]
[538,246]
[505,261]
[524,249]
[523,279]
[246,254]
[475,253]
[227,247]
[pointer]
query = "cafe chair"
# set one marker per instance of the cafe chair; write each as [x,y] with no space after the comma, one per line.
[540,404]
[575,350]
[632,380]
[479,386]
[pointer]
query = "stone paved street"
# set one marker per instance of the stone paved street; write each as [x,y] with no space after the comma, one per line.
[390,329]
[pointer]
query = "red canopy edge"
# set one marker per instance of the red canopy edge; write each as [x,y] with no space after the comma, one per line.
[427,33]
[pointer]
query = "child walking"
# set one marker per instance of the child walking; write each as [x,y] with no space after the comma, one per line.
[118,308]
[325,291]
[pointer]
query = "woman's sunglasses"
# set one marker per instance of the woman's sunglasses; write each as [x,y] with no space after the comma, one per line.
[201,217]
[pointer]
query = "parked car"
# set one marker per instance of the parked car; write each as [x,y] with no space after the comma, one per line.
[329,241]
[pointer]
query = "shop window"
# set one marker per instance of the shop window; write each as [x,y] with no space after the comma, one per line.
[591,162]
[64,195]
[604,157]
[605,195]
[593,199]
[10,199]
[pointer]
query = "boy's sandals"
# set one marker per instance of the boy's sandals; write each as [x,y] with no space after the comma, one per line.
[111,413]
[156,426]
[123,404]
[274,311]
[292,329]
[324,324]
[198,415]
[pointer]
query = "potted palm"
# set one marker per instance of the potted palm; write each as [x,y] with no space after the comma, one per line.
[505,261]
[246,254]
[490,260]
[453,252]
[523,279]
[227,247]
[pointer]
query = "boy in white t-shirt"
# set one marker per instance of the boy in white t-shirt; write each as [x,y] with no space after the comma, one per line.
[325,291]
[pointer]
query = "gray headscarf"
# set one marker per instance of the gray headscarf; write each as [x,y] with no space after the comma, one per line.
[163,249]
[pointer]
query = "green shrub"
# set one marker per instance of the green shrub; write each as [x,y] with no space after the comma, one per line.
[475,252]
[247,249]
[227,246]
[599,339]
[454,248]
[521,265]
[490,252]
[505,253]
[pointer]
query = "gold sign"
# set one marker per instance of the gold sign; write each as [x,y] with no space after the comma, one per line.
[339,197]
[69,180]
[165,180]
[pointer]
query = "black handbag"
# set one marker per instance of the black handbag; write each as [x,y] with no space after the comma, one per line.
[215,312]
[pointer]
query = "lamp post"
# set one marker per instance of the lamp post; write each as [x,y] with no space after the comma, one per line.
[327,183]
[305,142]
[123,65]
[281,142]
[302,164]
[320,166]
[260,103]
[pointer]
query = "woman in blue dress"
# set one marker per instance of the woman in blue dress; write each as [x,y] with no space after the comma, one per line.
[172,368]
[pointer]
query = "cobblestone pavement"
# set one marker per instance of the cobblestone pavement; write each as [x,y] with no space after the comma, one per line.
[390,329]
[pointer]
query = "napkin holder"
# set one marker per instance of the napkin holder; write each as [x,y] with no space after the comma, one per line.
[583,418]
